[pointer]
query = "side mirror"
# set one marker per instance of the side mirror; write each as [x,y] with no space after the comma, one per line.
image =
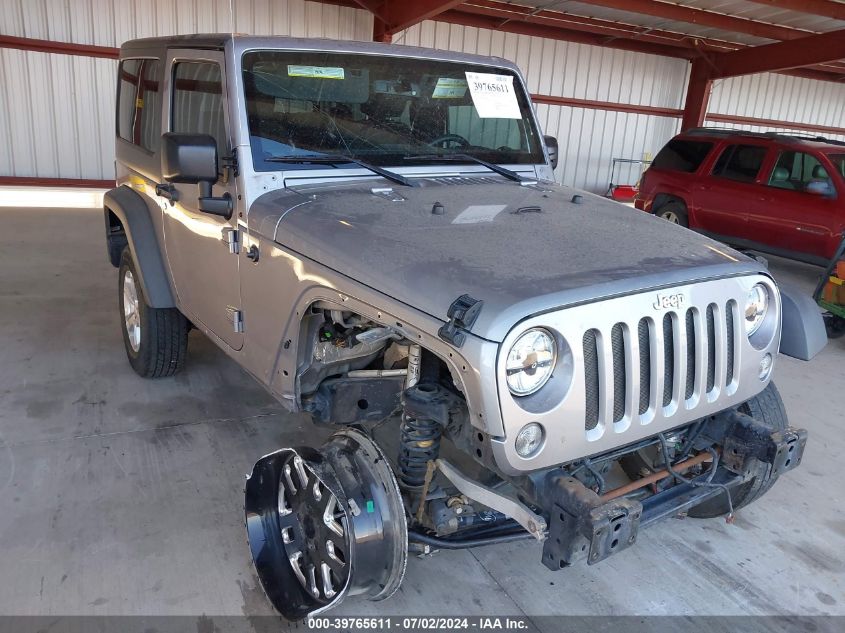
[192,159]
[551,148]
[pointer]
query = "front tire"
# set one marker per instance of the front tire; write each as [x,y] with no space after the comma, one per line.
[156,339]
[675,212]
[767,408]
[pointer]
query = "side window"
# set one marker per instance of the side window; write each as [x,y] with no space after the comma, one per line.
[139,103]
[740,162]
[198,102]
[682,155]
[798,171]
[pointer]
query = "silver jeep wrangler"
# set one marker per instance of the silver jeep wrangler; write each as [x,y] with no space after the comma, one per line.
[374,233]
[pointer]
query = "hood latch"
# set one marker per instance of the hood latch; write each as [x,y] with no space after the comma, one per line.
[462,315]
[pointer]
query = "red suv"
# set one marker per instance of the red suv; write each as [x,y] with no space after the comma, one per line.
[774,193]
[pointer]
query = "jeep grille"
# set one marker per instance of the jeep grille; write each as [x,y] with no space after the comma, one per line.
[682,346]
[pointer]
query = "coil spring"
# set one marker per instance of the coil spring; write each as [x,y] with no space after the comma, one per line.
[420,443]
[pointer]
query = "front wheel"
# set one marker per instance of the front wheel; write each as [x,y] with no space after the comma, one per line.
[767,408]
[674,212]
[156,339]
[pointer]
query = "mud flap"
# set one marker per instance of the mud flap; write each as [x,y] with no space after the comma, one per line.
[326,523]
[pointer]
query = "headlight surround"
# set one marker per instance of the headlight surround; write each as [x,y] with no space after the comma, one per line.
[531,361]
[756,308]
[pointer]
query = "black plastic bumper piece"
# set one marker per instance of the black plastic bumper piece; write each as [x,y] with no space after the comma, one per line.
[582,526]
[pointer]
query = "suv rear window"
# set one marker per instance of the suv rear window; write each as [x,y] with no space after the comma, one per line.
[740,162]
[682,155]
[139,103]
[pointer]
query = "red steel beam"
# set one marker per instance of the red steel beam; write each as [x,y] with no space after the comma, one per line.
[698,94]
[835,10]
[510,13]
[570,35]
[815,49]
[591,104]
[63,48]
[398,15]
[36,181]
[703,17]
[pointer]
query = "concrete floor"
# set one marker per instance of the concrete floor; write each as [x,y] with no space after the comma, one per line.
[123,496]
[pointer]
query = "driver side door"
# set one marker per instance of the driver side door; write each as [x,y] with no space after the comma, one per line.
[200,247]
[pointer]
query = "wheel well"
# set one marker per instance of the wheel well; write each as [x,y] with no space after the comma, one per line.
[116,238]
[662,199]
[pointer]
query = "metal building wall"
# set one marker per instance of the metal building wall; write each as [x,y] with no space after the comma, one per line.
[57,111]
[589,138]
[780,97]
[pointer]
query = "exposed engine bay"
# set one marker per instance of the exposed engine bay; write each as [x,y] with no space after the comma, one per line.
[408,472]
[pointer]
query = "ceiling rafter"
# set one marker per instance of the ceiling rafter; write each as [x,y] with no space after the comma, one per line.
[825,8]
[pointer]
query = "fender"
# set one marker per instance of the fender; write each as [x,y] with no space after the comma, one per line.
[134,214]
[803,333]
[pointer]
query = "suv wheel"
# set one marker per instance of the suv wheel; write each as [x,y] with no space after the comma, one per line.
[767,407]
[674,212]
[156,339]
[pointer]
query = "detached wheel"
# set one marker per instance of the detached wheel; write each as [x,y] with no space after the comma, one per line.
[767,407]
[156,339]
[674,212]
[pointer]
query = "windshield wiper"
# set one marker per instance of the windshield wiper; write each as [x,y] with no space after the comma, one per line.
[337,159]
[507,173]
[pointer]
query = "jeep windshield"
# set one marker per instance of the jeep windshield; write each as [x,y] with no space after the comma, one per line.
[387,111]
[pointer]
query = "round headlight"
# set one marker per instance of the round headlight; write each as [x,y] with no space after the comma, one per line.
[756,306]
[531,361]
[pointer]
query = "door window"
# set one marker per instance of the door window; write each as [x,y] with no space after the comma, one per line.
[799,171]
[682,155]
[198,102]
[740,162]
[139,103]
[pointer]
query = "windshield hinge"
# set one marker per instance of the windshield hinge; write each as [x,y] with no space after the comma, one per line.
[462,315]
[232,238]
[236,317]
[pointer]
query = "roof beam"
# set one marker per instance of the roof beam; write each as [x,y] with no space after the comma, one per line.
[702,17]
[826,8]
[398,15]
[510,14]
[815,49]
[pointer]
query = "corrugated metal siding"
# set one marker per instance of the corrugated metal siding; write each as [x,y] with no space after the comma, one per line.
[588,139]
[780,97]
[57,111]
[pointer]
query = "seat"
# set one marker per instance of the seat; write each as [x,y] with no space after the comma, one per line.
[780,179]
[820,183]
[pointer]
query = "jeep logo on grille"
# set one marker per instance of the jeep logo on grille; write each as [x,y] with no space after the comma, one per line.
[669,301]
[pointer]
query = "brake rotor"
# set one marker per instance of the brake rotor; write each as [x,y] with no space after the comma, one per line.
[326,523]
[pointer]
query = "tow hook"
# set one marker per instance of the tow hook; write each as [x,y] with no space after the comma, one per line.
[325,523]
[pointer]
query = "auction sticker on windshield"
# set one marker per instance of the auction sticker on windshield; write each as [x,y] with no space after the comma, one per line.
[493,96]
[449,88]
[318,72]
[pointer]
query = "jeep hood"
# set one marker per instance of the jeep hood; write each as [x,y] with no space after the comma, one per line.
[522,249]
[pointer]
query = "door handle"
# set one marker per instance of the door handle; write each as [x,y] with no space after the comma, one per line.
[167,191]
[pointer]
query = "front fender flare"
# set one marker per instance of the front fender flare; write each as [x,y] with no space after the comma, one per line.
[134,214]
[803,334]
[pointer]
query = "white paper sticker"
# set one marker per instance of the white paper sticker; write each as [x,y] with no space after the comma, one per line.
[449,88]
[317,72]
[477,213]
[493,96]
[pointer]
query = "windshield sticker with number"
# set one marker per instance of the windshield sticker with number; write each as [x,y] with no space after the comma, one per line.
[449,88]
[317,72]
[493,96]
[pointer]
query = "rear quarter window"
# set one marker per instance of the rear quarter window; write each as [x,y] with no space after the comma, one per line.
[139,103]
[682,155]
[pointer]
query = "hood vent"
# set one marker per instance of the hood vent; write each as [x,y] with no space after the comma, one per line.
[465,180]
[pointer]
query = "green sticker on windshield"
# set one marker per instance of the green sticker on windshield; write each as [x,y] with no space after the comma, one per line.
[449,88]
[317,72]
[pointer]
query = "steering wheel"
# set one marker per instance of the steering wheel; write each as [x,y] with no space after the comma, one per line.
[444,141]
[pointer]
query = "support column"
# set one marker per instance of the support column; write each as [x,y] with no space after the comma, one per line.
[698,94]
